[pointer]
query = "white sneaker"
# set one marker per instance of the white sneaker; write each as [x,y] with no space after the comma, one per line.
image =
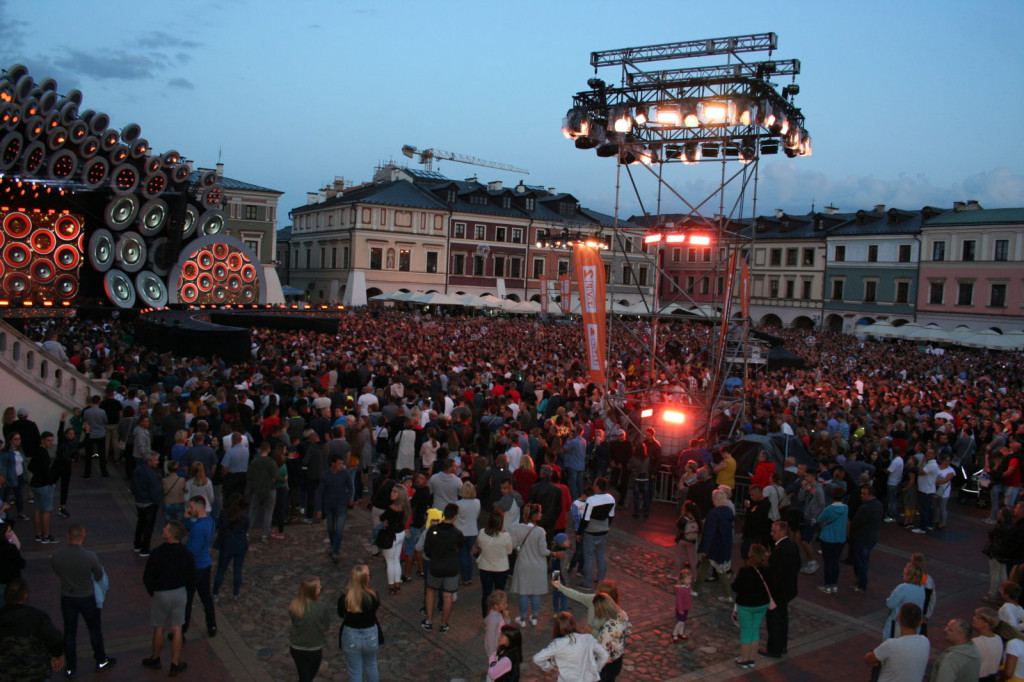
[533,622]
[918,530]
[520,622]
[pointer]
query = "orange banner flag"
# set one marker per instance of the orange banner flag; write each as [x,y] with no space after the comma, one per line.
[591,283]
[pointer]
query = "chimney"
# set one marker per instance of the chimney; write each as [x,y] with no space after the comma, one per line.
[330,191]
[311,198]
[973,205]
[189,162]
[472,179]
[494,186]
[779,213]
[551,190]
[220,170]
[959,206]
[879,208]
[520,188]
[339,183]
[831,210]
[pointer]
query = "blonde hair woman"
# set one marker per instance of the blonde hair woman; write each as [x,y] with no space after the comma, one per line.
[360,634]
[199,484]
[308,634]
[394,520]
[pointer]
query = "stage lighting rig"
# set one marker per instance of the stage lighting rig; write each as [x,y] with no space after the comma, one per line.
[692,114]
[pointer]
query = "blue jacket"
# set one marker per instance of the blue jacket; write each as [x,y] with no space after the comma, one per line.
[718,531]
[235,540]
[832,523]
[200,537]
[146,486]
[335,490]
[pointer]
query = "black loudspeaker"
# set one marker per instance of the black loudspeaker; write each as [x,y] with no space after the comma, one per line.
[43,271]
[32,158]
[10,150]
[126,178]
[15,72]
[62,165]
[211,222]
[157,255]
[43,242]
[190,225]
[150,289]
[139,148]
[67,257]
[152,217]
[101,250]
[131,132]
[98,123]
[67,228]
[47,101]
[121,212]
[17,225]
[188,293]
[68,111]
[109,139]
[74,96]
[66,286]
[130,252]
[16,255]
[16,283]
[119,288]
[180,172]
[22,86]
[154,184]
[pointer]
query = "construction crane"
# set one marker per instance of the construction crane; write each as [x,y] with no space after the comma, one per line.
[427,156]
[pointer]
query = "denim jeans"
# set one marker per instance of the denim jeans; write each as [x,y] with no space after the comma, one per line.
[995,492]
[559,602]
[830,553]
[466,558]
[222,569]
[336,526]
[861,556]
[360,646]
[924,506]
[594,559]
[526,601]
[70,607]
[575,482]
[202,586]
[892,501]
[261,510]
[642,489]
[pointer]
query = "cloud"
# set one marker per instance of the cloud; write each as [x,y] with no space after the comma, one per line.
[161,40]
[12,37]
[112,64]
[183,83]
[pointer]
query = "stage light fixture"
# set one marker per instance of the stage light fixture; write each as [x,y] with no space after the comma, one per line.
[577,123]
[715,112]
[34,128]
[68,112]
[640,116]
[170,159]
[139,148]
[88,147]
[692,152]
[98,123]
[607,150]
[47,101]
[770,146]
[673,153]
[32,158]
[180,173]
[10,150]
[126,178]
[710,149]
[675,238]
[673,417]
[154,185]
[62,165]
[151,164]
[208,179]
[211,197]
[668,115]
[619,119]
[120,153]
[56,138]
[109,139]
[77,131]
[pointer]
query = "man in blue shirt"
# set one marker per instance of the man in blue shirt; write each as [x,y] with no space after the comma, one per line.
[575,460]
[200,528]
[334,496]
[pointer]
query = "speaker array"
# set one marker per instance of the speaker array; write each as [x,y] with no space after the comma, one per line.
[40,256]
[155,204]
[218,270]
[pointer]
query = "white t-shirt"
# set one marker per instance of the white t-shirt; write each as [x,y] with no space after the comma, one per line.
[926,479]
[904,659]
[1012,614]
[991,649]
[364,402]
[515,457]
[942,490]
[895,471]
[1015,647]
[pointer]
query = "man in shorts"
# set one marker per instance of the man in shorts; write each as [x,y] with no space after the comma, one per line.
[170,574]
[44,476]
[441,547]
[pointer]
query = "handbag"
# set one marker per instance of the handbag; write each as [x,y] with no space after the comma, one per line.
[514,556]
[385,538]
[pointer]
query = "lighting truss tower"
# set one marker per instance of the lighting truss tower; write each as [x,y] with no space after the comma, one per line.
[718,113]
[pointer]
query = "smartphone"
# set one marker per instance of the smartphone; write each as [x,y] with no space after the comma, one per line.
[556,576]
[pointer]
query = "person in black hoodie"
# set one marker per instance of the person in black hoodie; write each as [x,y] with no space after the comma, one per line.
[441,547]
[170,574]
[67,453]
[11,561]
[31,647]
[43,479]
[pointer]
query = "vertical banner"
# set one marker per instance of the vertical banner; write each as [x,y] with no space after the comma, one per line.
[590,274]
[745,290]
[730,278]
[544,295]
[566,292]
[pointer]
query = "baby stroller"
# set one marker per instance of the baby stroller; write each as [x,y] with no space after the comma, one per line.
[975,490]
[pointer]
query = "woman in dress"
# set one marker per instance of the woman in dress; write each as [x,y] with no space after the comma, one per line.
[492,549]
[578,657]
[467,524]
[752,599]
[405,447]
[612,634]
[308,635]
[910,590]
[395,518]
[359,636]
[530,579]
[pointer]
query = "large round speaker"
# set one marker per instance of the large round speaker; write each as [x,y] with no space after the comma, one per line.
[139,148]
[211,222]
[121,212]
[66,286]
[119,288]
[94,172]
[157,250]
[43,242]
[109,139]
[88,147]
[67,257]
[17,225]
[180,172]
[131,132]
[234,283]
[248,273]
[62,165]
[126,178]
[32,158]
[47,101]
[16,255]
[67,228]
[151,290]
[235,261]
[189,293]
[220,251]
[248,295]
[220,272]
[152,217]
[10,150]
[16,283]
[205,282]
[43,271]
[208,179]
[98,123]
[153,185]
[101,250]
[220,295]
[191,222]
[119,153]
[189,270]
[205,259]
[130,252]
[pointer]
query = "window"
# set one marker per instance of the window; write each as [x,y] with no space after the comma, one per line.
[840,253]
[997,297]
[872,253]
[296,259]
[515,268]
[691,255]
[968,250]
[689,285]
[903,292]
[791,256]
[773,288]
[309,258]
[479,232]
[334,257]
[460,230]
[344,257]
[719,285]
[706,255]
[251,213]
[323,257]
[530,203]
[627,274]
[677,255]
[705,285]
[479,266]
[806,286]
[506,202]
[538,268]
[837,289]
[499,266]
[808,260]
[376,258]
[431,261]
[254,246]
[904,255]
[478,200]
[775,257]
[870,290]
[939,251]
[790,288]
[628,245]
[1002,249]
[563,267]
[935,293]
[499,234]
[404,260]
[517,235]
[458,264]
[965,293]
[643,276]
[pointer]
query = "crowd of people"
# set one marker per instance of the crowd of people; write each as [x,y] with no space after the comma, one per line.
[484,457]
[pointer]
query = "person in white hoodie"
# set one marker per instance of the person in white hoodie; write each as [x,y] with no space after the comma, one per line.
[578,656]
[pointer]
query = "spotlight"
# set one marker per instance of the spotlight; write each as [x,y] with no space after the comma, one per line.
[62,165]
[56,138]
[769,147]
[713,112]
[126,179]
[10,150]
[673,153]
[32,158]
[608,150]
[139,148]
[693,152]
[619,119]
[77,131]
[640,116]
[668,115]
[109,139]
[98,123]
[88,147]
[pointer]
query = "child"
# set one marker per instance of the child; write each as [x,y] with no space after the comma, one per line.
[497,617]
[576,512]
[684,600]
[503,665]
[1011,611]
[560,544]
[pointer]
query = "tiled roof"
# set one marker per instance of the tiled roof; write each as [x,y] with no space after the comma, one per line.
[865,223]
[231,183]
[394,193]
[984,216]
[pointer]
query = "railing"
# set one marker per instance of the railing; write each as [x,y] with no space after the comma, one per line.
[60,382]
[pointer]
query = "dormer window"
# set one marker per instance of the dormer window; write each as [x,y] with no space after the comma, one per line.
[450,196]
[531,203]
[506,202]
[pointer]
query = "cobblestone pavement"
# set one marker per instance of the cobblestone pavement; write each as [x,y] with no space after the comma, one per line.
[828,635]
